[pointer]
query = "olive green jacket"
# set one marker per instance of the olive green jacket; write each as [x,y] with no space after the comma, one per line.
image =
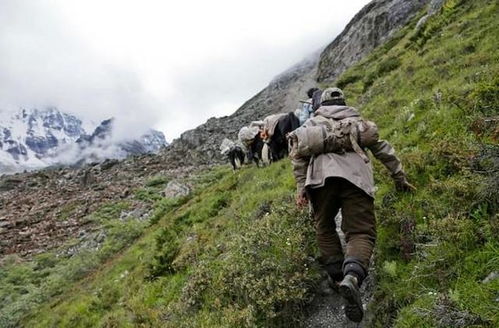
[311,172]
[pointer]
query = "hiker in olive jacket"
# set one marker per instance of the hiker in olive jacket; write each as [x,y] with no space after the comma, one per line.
[334,181]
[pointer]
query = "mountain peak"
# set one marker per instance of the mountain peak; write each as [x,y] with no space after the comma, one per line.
[33,138]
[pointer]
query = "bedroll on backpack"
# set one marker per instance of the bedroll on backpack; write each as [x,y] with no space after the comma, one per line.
[323,135]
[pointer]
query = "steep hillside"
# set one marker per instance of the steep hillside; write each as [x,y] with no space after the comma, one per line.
[434,90]
[373,25]
[235,252]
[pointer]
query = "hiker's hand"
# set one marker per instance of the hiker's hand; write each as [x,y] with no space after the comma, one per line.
[404,185]
[301,199]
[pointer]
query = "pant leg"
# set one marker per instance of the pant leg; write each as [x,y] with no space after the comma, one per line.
[325,205]
[359,224]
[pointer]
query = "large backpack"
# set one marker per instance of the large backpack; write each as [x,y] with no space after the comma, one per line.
[247,134]
[324,135]
[270,123]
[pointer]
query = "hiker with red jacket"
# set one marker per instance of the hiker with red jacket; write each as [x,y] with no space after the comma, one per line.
[333,173]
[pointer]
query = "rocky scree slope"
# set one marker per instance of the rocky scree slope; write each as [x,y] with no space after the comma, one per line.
[376,23]
[42,210]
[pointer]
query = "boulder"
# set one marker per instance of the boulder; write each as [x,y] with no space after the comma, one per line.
[175,189]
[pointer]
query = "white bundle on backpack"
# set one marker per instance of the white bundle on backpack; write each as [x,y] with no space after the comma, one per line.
[247,134]
[258,124]
[270,123]
[226,146]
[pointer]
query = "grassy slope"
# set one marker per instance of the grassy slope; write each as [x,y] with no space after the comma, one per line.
[431,92]
[238,254]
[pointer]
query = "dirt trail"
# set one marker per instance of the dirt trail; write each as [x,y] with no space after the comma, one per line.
[326,309]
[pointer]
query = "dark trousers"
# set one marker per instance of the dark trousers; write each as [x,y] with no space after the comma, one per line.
[358,224]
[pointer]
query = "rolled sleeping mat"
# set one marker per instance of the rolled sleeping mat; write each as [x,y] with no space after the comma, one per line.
[307,141]
[368,133]
[320,139]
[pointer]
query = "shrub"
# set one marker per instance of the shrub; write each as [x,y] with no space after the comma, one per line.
[157,181]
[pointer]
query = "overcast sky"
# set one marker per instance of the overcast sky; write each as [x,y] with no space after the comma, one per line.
[166,64]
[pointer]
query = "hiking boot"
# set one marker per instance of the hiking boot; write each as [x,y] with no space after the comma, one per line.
[335,272]
[333,284]
[334,267]
[349,289]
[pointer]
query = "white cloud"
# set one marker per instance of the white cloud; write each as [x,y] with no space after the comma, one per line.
[171,64]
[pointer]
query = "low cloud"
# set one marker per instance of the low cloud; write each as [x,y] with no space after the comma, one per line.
[42,65]
[167,65]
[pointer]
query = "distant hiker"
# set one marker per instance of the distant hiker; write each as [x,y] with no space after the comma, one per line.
[234,153]
[275,130]
[333,172]
[250,138]
[306,109]
[316,99]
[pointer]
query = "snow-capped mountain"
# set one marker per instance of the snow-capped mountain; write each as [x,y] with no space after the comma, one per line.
[100,145]
[32,139]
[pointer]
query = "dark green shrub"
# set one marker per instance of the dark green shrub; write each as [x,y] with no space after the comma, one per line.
[166,249]
[157,181]
[148,195]
[347,79]
[388,65]
[485,97]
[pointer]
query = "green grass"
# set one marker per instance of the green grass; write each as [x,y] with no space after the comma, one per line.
[236,253]
[27,285]
[431,93]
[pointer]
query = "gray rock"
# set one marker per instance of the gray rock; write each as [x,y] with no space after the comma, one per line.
[175,189]
[492,276]
[433,8]
[10,184]
[138,213]
[376,23]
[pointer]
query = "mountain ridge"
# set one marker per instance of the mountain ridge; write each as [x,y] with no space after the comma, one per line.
[37,138]
[201,144]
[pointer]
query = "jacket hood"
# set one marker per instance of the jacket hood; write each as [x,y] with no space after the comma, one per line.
[337,112]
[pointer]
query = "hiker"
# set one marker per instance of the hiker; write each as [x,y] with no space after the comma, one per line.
[316,99]
[249,136]
[332,172]
[306,110]
[234,153]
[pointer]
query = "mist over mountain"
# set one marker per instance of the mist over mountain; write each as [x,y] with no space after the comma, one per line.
[36,138]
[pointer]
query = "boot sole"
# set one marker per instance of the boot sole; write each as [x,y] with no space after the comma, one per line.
[353,309]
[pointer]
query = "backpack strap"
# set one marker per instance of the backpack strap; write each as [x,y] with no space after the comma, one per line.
[354,136]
